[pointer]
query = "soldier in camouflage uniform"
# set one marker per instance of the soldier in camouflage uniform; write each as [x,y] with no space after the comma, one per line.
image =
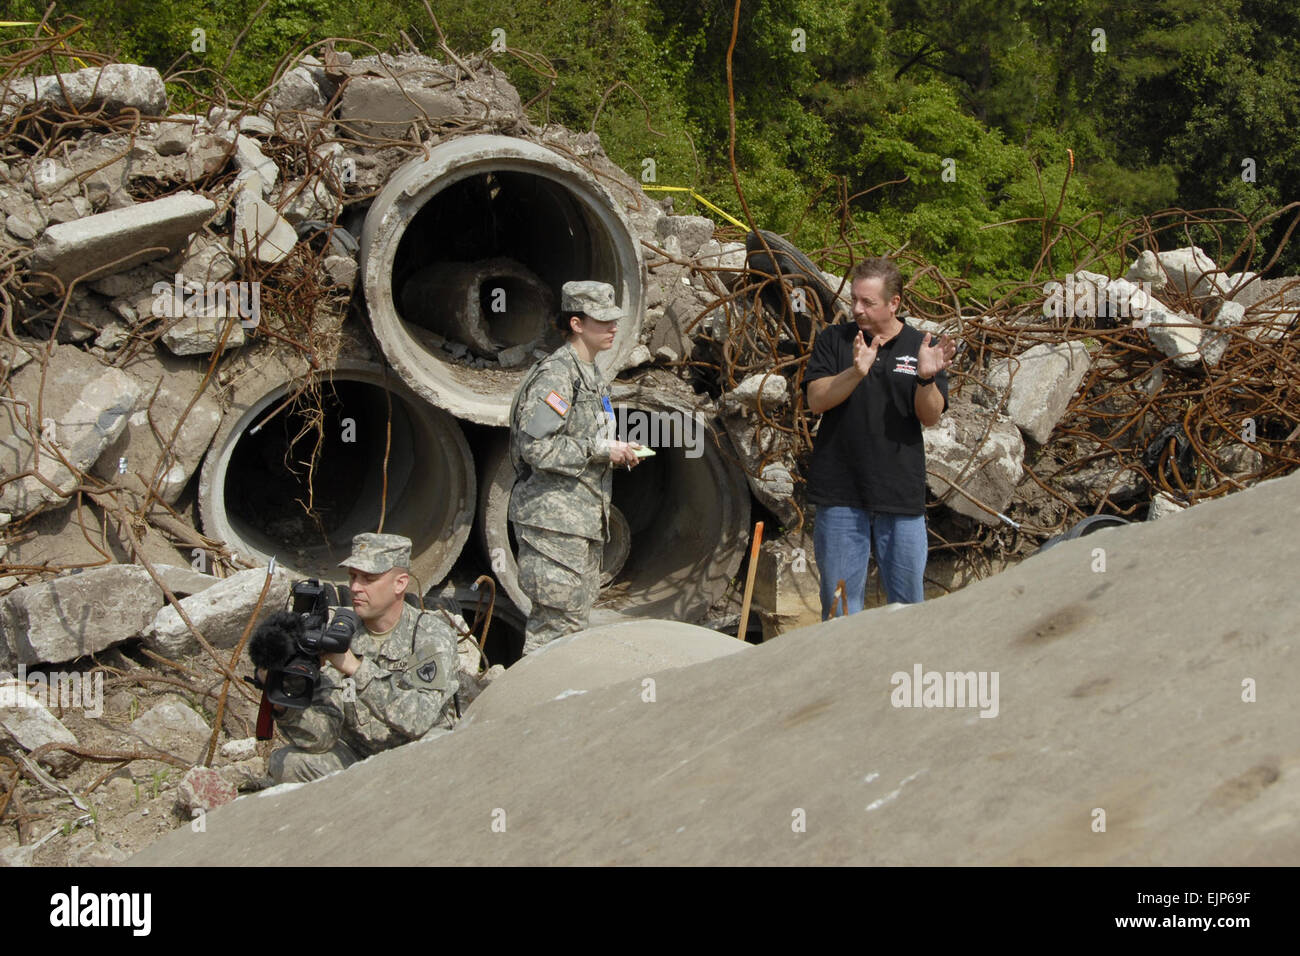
[563,448]
[397,683]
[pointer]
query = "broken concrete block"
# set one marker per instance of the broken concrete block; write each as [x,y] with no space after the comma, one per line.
[100,166]
[85,317]
[772,483]
[691,231]
[66,210]
[206,154]
[175,133]
[996,470]
[773,389]
[249,157]
[207,260]
[684,305]
[241,749]
[1146,271]
[15,354]
[379,107]
[1162,505]
[247,774]
[787,589]
[640,355]
[101,244]
[311,201]
[729,255]
[1238,461]
[1186,267]
[1037,385]
[26,723]
[297,91]
[115,88]
[260,231]
[112,336]
[168,457]
[1216,339]
[203,789]
[78,614]
[26,225]
[1176,334]
[254,124]
[128,283]
[173,727]
[219,612]
[202,334]
[183,581]
[342,270]
[84,407]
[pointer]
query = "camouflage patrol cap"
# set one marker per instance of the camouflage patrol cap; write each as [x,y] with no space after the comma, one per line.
[595,299]
[377,553]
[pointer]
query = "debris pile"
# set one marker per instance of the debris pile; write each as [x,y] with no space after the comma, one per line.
[256,329]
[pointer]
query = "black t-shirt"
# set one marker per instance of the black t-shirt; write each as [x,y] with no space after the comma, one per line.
[868,452]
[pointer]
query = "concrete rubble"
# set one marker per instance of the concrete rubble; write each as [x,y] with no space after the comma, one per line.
[135,400]
[71,413]
[105,241]
[203,788]
[168,431]
[114,88]
[220,613]
[26,723]
[989,471]
[1037,385]
[76,614]
[173,727]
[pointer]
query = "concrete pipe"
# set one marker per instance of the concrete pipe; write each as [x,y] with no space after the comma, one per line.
[255,477]
[463,255]
[684,512]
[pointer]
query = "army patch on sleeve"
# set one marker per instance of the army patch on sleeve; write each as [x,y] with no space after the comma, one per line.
[557,403]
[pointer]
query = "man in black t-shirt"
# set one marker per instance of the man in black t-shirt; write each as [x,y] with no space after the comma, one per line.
[867,477]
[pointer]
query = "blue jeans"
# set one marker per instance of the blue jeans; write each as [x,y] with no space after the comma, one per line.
[842,540]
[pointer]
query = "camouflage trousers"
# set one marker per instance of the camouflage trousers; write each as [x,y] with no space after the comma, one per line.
[560,573]
[294,765]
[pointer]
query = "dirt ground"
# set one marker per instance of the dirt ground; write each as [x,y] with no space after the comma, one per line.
[127,804]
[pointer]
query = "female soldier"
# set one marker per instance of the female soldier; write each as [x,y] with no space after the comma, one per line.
[564,451]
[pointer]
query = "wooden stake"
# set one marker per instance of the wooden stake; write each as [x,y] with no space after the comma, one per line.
[749,580]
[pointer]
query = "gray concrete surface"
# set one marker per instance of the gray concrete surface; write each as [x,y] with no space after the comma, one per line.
[1119,690]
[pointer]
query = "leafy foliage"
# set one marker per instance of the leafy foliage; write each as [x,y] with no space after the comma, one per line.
[1160,103]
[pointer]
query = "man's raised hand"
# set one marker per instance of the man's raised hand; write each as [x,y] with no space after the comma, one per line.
[864,355]
[933,359]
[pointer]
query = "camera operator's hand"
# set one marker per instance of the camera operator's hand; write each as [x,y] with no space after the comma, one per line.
[345,663]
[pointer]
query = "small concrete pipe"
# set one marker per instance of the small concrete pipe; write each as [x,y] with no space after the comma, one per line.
[679,521]
[256,474]
[463,255]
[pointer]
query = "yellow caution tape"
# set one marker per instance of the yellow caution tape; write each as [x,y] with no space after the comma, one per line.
[32,23]
[686,189]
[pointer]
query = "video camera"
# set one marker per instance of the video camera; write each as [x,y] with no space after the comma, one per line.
[289,644]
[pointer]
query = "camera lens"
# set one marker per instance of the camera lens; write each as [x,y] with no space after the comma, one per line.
[294,685]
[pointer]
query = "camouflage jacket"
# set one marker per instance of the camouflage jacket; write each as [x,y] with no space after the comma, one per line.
[405,686]
[560,449]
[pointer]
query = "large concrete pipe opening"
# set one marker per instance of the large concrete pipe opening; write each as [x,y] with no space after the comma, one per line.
[264,471]
[680,527]
[463,255]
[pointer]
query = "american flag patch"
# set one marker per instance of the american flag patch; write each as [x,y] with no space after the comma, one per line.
[560,406]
